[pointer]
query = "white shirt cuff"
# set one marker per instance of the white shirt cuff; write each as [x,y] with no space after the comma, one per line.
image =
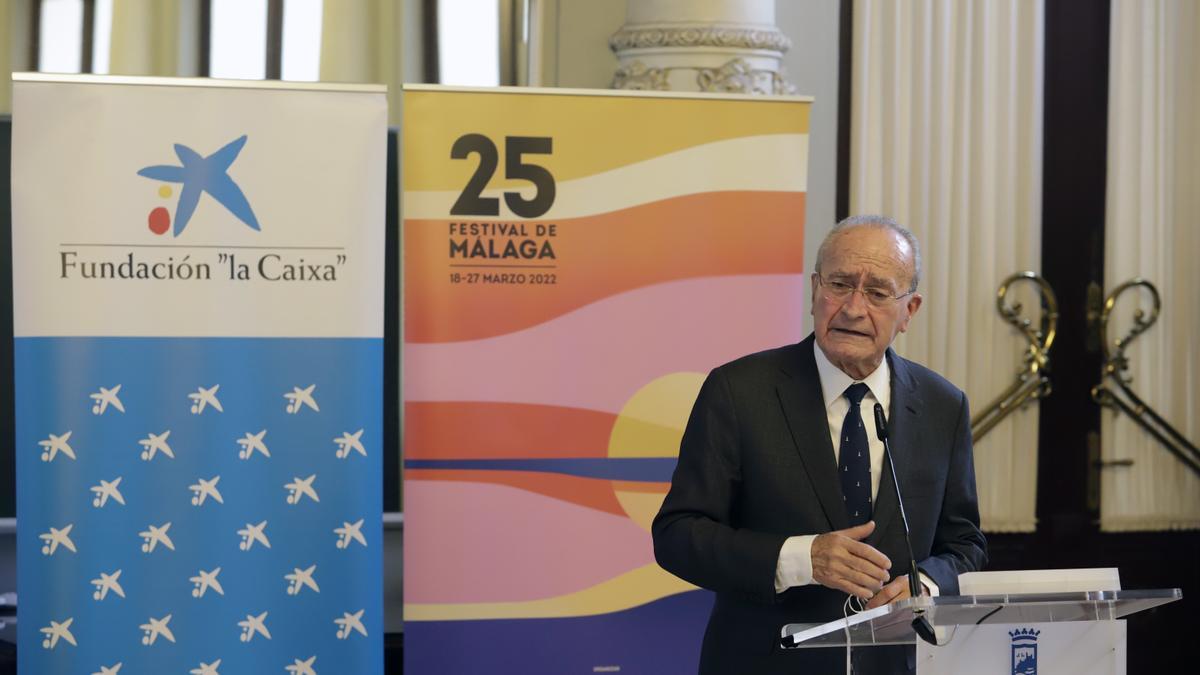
[794,567]
[933,588]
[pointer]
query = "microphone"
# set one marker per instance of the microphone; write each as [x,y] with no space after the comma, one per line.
[920,624]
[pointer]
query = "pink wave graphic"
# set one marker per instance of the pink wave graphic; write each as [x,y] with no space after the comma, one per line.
[597,356]
[473,542]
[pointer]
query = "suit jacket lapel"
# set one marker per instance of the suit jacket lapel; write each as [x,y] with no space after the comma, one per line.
[903,420]
[804,408]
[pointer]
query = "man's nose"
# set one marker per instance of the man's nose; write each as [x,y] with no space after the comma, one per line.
[855,304]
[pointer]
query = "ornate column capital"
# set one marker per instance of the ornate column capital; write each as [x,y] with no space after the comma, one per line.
[701,45]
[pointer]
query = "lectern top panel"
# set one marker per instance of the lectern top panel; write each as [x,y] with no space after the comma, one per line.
[892,624]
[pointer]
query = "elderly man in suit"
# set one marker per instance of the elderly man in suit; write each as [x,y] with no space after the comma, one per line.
[781,502]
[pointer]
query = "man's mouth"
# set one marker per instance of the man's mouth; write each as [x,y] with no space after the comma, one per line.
[850,332]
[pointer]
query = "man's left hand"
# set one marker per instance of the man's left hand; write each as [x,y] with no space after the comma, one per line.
[896,589]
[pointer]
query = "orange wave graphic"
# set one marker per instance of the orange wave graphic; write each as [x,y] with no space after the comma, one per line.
[475,430]
[590,492]
[708,234]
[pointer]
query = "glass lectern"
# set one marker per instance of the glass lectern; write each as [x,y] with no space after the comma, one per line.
[892,624]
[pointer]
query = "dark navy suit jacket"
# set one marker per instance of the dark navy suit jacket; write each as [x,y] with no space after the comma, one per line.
[757,466]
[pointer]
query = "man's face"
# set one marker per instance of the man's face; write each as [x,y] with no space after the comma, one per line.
[855,333]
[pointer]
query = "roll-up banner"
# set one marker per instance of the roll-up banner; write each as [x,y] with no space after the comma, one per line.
[198,301]
[575,263]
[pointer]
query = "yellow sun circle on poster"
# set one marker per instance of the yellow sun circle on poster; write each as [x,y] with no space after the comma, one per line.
[650,425]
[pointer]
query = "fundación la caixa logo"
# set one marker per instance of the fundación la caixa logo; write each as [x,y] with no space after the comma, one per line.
[197,175]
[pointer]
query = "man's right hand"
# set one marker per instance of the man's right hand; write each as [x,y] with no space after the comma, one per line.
[841,560]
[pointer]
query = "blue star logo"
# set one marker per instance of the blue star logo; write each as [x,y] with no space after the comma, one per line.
[204,174]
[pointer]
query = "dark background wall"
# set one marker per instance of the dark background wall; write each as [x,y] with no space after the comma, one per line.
[8,551]
[1074,174]
[1073,194]
[7,438]
[7,466]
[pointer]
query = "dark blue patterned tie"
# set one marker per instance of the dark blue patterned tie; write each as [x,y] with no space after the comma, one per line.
[854,459]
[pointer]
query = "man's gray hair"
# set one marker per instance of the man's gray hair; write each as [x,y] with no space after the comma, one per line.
[883,222]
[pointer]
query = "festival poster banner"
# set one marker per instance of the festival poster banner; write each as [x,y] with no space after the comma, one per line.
[575,263]
[198,299]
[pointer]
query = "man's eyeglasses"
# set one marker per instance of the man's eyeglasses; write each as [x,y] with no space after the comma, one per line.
[876,296]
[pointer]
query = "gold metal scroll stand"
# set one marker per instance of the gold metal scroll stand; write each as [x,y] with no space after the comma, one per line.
[1116,365]
[1031,383]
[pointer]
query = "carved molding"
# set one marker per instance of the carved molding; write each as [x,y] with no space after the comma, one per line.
[637,75]
[706,36]
[736,76]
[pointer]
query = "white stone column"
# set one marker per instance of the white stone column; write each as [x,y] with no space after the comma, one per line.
[701,45]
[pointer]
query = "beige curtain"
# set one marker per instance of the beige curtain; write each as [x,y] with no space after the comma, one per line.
[361,41]
[145,37]
[1153,231]
[946,136]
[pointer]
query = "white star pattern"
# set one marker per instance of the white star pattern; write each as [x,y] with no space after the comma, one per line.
[203,581]
[155,535]
[350,532]
[300,488]
[106,490]
[154,444]
[206,668]
[106,583]
[53,445]
[253,533]
[299,579]
[254,625]
[304,667]
[350,623]
[156,628]
[58,631]
[106,397]
[58,537]
[203,489]
[252,443]
[348,442]
[150,493]
[205,398]
[300,398]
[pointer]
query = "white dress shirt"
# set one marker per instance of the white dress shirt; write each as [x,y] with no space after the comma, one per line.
[794,567]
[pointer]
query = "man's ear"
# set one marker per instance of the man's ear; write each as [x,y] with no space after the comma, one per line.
[913,304]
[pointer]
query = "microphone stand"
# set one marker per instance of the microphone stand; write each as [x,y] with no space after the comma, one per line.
[920,623]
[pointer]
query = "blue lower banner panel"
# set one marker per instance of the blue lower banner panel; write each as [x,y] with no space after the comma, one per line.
[208,505]
[606,643]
